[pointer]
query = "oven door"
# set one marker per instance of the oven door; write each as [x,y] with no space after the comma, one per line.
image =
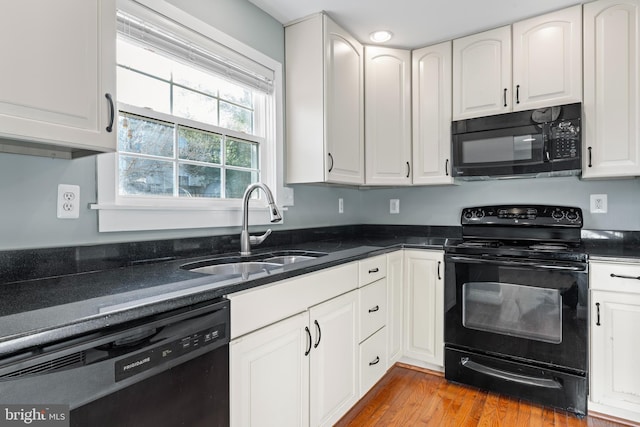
[525,310]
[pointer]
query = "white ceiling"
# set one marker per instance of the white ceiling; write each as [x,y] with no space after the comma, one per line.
[414,23]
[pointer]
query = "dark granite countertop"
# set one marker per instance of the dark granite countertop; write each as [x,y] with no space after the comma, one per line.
[37,311]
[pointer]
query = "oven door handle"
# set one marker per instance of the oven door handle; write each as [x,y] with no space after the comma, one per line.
[551,265]
[510,376]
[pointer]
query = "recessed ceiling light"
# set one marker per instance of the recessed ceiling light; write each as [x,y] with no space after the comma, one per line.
[380,36]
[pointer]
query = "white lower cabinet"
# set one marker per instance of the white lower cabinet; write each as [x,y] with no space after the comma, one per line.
[373,360]
[424,306]
[299,371]
[615,315]
[395,268]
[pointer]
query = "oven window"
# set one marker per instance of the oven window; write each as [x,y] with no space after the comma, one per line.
[515,310]
[499,149]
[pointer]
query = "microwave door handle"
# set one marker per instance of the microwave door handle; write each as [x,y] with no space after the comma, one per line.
[547,156]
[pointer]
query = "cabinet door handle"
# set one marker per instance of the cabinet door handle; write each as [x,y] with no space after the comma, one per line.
[374,270]
[439,277]
[597,314]
[375,361]
[319,334]
[622,276]
[408,169]
[374,309]
[517,94]
[330,158]
[589,148]
[505,96]
[112,112]
[446,167]
[306,329]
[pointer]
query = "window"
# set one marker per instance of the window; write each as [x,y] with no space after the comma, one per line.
[198,121]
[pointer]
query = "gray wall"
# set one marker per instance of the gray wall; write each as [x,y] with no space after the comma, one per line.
[29,184]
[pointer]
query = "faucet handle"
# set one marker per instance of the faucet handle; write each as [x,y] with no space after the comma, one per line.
[256,240]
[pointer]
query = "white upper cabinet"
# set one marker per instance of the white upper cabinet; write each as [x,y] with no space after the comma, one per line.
[431,87]
[532,64]
[387,77]
[611,89]
[482,74]
[547,60]
[58,66]
[324,103]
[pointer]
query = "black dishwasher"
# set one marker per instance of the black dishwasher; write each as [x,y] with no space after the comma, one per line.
[170,369]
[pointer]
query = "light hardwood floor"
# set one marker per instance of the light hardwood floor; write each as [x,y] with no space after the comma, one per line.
[408,396]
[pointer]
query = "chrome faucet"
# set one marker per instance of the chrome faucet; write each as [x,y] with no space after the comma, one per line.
[245,239]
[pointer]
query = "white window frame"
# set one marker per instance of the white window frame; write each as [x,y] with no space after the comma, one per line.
[126,213]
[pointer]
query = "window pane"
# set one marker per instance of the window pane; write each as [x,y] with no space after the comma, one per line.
[143,59]
[241,153]
[195,106]
[237,182]
[198,145]
[199,181]
[236,94]
[143,91]
[144,176]
[236,118]
[140,135]
[195,79]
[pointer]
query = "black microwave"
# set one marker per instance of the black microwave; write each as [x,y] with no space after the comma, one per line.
[541,142]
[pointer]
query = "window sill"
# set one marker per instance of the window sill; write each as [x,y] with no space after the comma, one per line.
[113,218]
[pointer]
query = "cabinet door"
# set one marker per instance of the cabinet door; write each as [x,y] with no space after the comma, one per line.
[387,88]
[334,359]
[611,89]
[547,60]
[344,106]
[614,373]
[394,305]
[269,375]
[58,62]
[423,305]
[432,114]
[482,74]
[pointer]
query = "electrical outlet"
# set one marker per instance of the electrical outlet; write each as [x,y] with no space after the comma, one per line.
[394,206]
[68,201]
[340,205]
[598,203]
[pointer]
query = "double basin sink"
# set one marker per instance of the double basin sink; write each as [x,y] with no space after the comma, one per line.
[244,266]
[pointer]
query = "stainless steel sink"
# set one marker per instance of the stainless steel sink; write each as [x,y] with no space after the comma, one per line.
[237,268]
[288,259]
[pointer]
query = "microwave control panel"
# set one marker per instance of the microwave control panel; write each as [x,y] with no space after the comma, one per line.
[565,139]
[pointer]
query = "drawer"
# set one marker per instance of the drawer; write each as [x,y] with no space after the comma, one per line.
[373,360]
[372,269]
[373,307]
[614,276]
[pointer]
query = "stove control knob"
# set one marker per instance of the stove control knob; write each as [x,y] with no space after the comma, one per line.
[479,213]
[557,215]
[468,214]
[572,215]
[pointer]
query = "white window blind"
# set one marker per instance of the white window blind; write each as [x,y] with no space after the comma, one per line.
[203,53]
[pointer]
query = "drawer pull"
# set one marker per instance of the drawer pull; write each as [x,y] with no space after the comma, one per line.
[374,270]
[622,276]
[597,314]
[375,362]
[374,309]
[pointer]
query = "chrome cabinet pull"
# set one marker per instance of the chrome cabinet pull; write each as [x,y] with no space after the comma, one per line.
[375,361]
[597,314]
[374,270]
[622,276]
[319,334]
[306,329]
[374,309]
[112,112]
[331,158]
